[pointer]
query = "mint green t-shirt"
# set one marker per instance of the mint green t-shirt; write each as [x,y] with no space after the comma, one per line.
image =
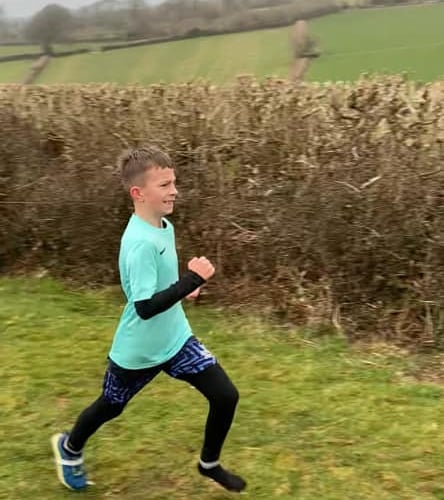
[148,264]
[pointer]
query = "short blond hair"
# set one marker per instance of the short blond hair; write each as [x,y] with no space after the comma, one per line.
[133,163]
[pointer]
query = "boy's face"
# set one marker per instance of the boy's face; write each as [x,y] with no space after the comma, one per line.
[158,192]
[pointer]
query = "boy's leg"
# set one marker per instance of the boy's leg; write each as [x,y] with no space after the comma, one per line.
[222,396]
[89,421]
[195,365]
[119,386]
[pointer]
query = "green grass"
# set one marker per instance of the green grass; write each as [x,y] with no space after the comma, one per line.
[11,50]
[14,72]
[389,40]
[217,58]
[317,419]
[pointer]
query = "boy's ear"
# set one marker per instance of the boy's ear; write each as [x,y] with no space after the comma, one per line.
[135,193]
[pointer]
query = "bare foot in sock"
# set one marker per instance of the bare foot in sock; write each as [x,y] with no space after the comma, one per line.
[225,478]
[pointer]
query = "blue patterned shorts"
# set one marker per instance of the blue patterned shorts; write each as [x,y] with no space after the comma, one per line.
[121,384]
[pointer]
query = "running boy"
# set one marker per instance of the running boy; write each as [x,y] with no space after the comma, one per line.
[153,334]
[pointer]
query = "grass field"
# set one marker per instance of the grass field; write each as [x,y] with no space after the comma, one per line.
[388,40]
[214,58]
[10,50]
[407,39]
[317,419]
[14,72]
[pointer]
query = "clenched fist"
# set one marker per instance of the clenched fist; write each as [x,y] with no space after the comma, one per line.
[201,266]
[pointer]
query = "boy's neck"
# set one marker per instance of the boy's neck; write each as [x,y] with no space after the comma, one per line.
[151,219]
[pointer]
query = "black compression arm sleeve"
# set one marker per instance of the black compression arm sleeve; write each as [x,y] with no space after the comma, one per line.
[163,300]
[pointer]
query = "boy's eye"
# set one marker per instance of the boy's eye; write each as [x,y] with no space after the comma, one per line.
[167,183]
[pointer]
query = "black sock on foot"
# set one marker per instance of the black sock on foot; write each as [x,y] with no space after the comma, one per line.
[225,478]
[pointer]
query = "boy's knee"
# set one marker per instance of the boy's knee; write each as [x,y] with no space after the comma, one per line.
[235,395]
[229,397]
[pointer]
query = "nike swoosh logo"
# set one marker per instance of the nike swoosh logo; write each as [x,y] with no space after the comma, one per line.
[162,251]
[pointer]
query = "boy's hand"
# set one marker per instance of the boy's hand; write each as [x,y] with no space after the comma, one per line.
[193,295]
[201,266]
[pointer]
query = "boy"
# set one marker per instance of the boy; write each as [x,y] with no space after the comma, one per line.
[153,334]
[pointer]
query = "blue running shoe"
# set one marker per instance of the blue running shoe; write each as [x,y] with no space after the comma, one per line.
[69,468]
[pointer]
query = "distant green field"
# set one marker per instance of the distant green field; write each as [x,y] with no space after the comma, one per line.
[14,72]
[388,40]
[10,50]
[217,58]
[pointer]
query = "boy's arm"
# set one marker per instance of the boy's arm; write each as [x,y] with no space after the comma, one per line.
[161,301]
[142,271]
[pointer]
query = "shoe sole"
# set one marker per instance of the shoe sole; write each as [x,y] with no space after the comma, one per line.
[57,458]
